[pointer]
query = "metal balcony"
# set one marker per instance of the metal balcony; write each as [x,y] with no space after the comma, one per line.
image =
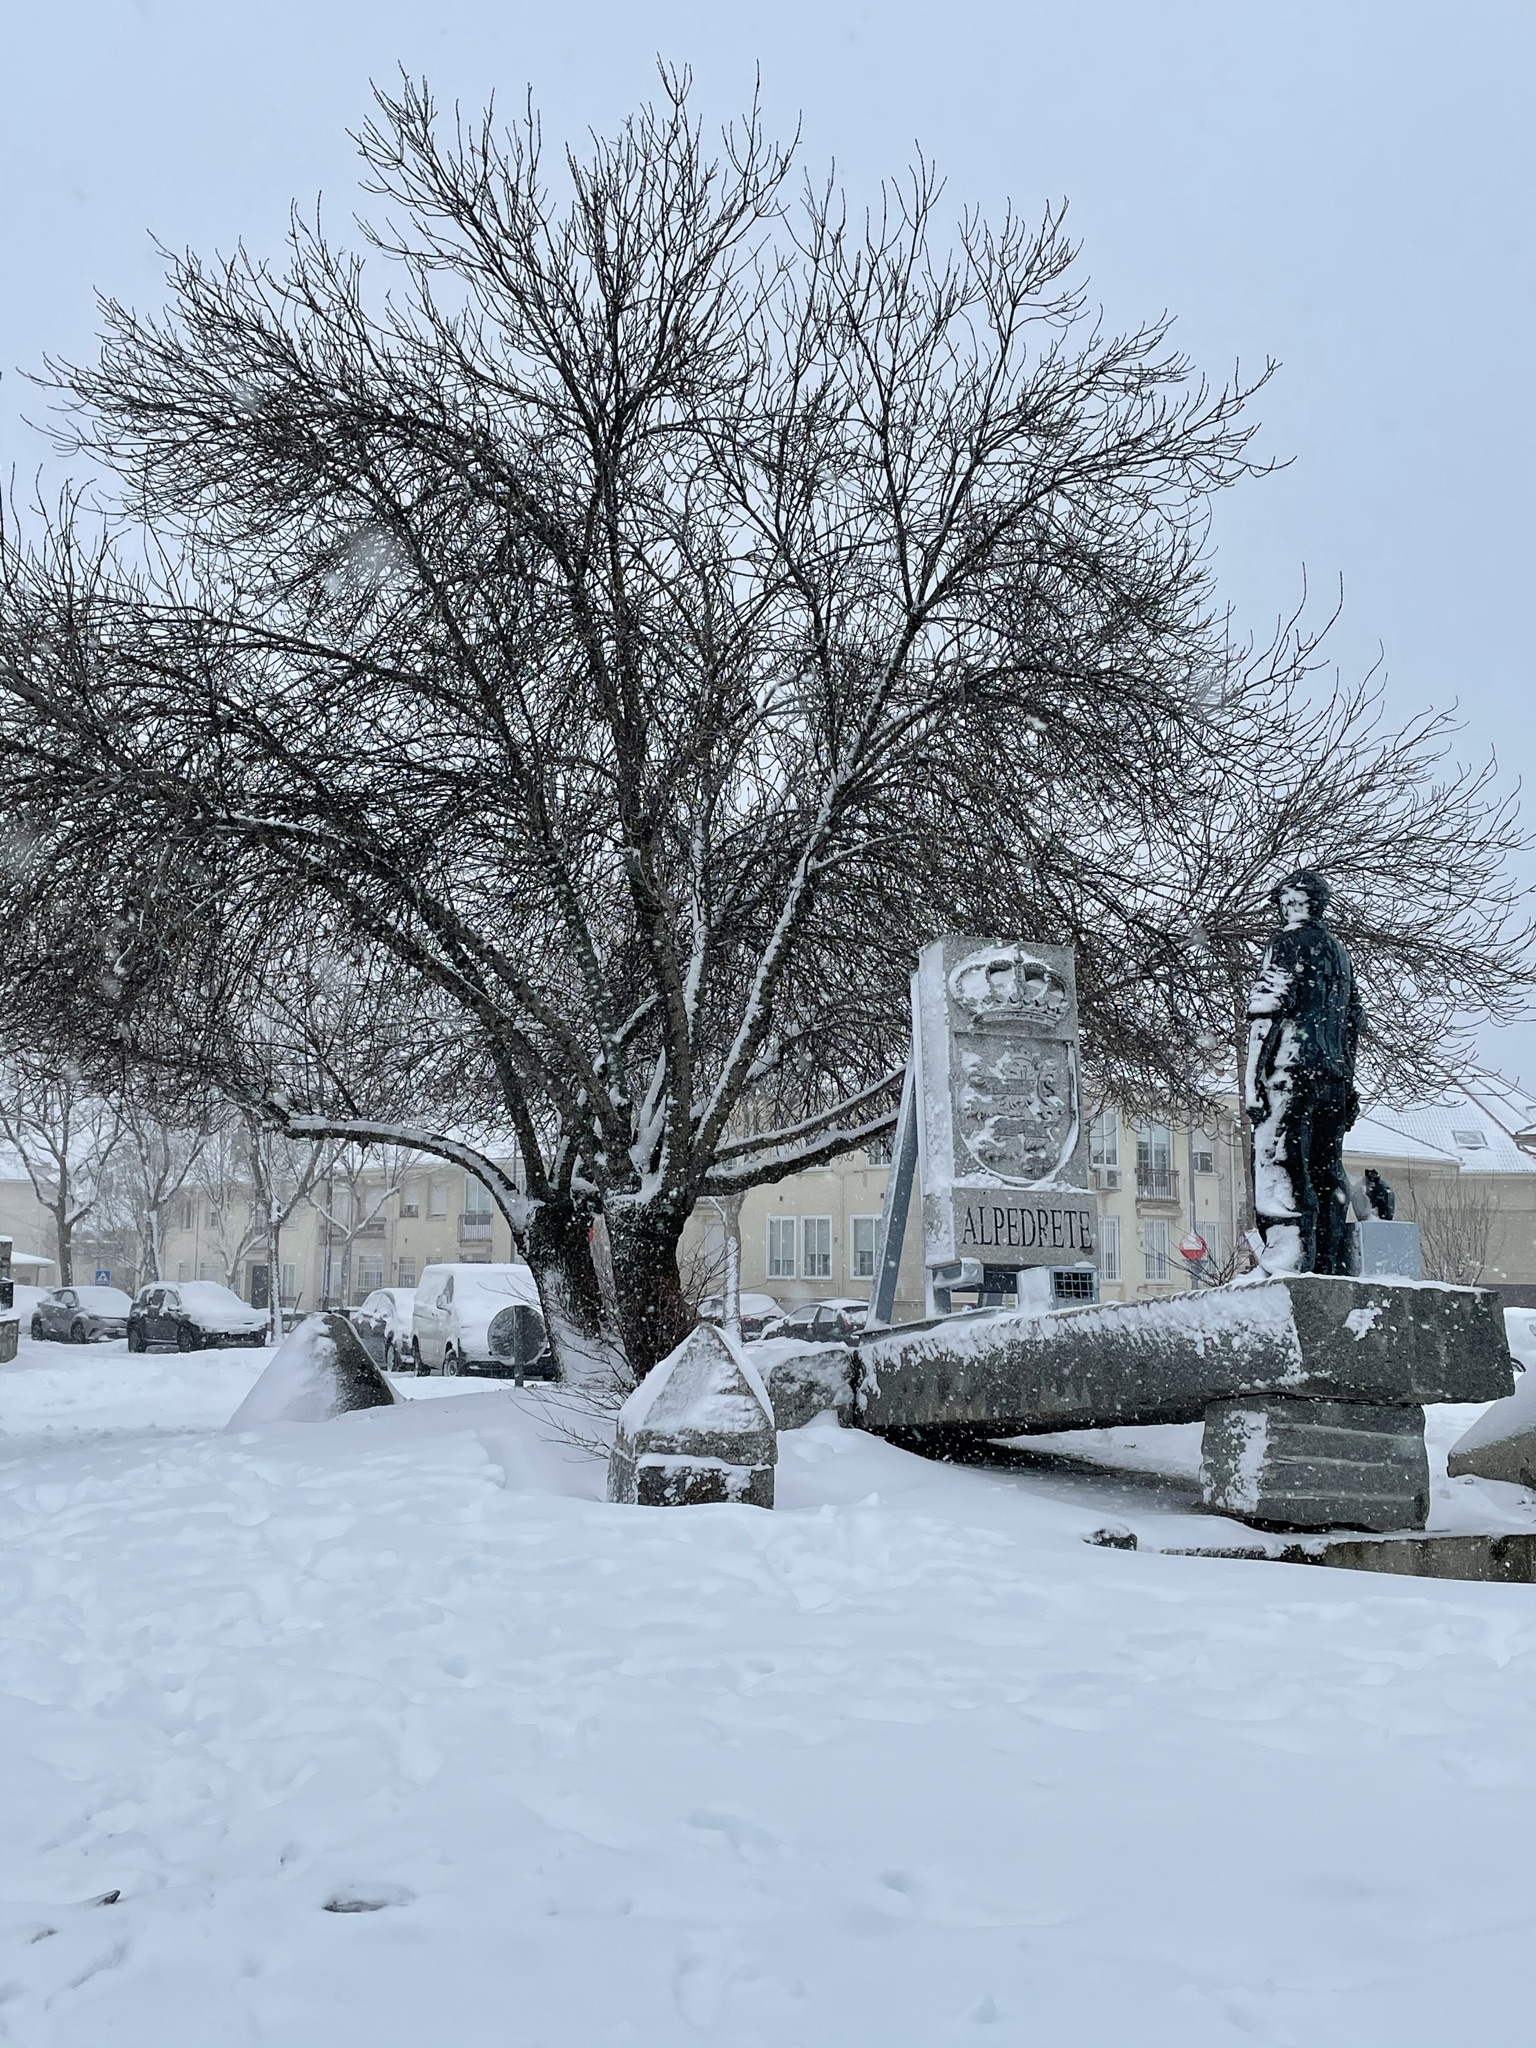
[474,1229]
[1158,1185]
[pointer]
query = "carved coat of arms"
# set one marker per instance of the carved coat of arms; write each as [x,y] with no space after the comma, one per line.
[1014,1073]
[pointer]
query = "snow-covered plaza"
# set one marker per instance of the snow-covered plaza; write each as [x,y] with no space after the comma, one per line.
[389,1730]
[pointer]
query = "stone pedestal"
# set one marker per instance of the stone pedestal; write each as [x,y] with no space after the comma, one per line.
[1300,1464]
[1389,1250]
[698,1428]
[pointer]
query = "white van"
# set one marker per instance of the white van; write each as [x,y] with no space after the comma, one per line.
[480,1319]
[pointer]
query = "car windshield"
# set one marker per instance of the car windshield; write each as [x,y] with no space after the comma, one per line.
[207,1294]
[103,1301]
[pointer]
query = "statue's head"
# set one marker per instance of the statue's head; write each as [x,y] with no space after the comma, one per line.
[1299,896]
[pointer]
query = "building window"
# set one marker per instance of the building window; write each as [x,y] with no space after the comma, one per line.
[1154,1241]
[437,1199]
[878,1151]
[410,1199]
[211,1217]
[183,1270]
[781,1247]
[405,1273]
[1470,1141]
[1109,1247]
[288,1283]
[1104,1139]
[1154,1147]
[186,1215]
[341,1207]
[369,1277]
[816,1247]
[1202,1152]
[861,1258]
[477,1197]
[209,1270]
[1210,1229]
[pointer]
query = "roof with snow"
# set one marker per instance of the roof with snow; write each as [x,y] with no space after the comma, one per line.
[1472,1127]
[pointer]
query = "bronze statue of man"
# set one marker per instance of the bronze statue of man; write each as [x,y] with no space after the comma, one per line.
[1304,1021]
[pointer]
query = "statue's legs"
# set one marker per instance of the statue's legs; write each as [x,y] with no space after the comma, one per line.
[1285,1205]
[1336,1239]
[1301,1191]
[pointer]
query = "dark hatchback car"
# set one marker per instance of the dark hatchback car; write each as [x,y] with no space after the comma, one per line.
[82,1315]
[192,1315]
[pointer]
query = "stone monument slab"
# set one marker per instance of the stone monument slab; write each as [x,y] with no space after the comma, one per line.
[1002,1139]
[319,1370]
[698,1428]
[1010,1373]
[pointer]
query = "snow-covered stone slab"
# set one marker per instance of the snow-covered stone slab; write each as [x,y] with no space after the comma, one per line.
[1316,1464]
[698,1428]
[1014,1373]
[805,1381]
[319,1370]
[1501,1444]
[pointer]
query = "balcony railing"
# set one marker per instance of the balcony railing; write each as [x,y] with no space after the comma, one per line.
[1157,1184]
[473,1228]
[347,1233]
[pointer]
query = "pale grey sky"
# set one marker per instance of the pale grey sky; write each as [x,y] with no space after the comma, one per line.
[1346,186]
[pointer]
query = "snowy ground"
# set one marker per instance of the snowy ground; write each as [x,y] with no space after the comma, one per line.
[906,1761]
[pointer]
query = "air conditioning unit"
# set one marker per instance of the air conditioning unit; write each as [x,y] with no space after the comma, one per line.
[1106,1178]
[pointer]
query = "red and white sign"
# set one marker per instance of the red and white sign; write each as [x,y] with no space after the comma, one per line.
[1193,1248]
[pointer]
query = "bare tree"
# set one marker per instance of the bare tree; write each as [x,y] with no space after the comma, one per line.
[152,1167]
[1455,1218]
[352,1194]
[64,1134]
[252,1180]
[554,701]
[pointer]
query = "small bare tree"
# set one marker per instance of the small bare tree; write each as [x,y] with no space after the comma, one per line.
[153,1166]
[64,1134]
[1455,1217]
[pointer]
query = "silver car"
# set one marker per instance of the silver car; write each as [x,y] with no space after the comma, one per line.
[383,1322]
[82,1315]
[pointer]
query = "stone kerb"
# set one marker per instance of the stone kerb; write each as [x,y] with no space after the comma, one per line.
[698,1428]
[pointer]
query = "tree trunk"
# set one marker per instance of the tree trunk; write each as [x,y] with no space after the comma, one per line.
[558,1249]
[274,1281]
[729,1207]
[652,1312]
[64,1233]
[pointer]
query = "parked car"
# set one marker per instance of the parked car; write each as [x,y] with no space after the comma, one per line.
[383,1322]
[825,1322]
[192,1315]
[480,1319]
[81,1315]
[759,1312]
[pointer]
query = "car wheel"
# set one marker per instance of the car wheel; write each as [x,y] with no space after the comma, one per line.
[187,1338]
[391,1356]
[37,1330]
[450,1365]
[79,1334]
[420,1363]
[135,1339]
